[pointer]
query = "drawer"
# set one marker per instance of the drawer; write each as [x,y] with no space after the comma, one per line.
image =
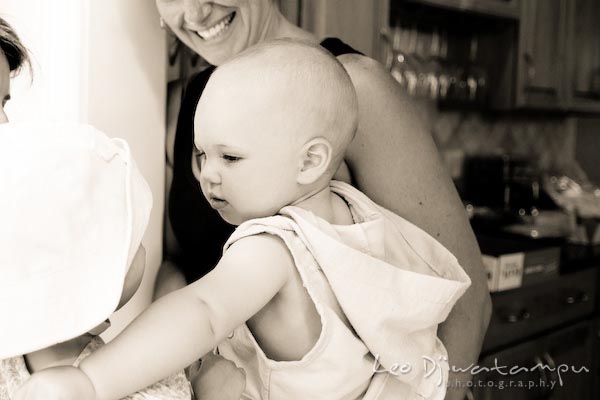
[524,312]
[557,366]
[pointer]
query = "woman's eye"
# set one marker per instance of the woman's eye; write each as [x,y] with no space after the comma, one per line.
[229,158]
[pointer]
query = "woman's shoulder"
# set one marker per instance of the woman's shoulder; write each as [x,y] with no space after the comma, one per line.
[375,85]
[362,67]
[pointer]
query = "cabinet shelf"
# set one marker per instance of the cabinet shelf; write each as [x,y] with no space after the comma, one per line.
[494,8]
[537,54]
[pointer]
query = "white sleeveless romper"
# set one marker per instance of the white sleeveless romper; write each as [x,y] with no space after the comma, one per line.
[381,287]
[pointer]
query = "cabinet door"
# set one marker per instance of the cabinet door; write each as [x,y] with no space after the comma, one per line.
[596,358]
[541,72]
[357,22]
[583,55]
[524,383]
[571,351]
[556,366]
[496,8]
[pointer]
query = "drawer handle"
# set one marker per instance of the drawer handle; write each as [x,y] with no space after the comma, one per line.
[553,374]
[530,68]
[520,316]
[537,360]
[581,297]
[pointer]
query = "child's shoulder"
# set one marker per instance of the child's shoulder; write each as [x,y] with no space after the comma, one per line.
[260,247]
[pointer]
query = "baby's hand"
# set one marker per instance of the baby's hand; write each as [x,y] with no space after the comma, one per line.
[57,383]
[217,379]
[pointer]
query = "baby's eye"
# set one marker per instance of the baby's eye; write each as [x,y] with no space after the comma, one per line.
[199,157]
[230,158]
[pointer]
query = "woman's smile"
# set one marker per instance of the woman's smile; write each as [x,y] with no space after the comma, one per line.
[217,29]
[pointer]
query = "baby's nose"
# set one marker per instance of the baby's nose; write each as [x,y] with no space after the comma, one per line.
[195,11]
[209,173]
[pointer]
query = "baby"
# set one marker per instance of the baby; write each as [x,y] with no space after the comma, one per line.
[73,211]
[320,293]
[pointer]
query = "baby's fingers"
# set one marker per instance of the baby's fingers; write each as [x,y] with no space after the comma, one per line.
[59,383]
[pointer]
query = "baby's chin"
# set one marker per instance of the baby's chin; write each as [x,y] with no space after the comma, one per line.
[234,218]
[237,220]
[231,220]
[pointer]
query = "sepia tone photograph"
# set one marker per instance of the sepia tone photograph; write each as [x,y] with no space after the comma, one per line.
[299,199]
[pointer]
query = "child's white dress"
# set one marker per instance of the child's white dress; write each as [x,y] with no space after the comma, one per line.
[381,287]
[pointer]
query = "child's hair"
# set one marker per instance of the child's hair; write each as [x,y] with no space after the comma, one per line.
[12,47]
[325,92]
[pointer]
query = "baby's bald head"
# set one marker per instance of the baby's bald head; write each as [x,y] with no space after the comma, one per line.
[300,87]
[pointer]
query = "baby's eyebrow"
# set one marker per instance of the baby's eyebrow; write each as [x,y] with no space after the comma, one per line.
[6,98]
[228,147]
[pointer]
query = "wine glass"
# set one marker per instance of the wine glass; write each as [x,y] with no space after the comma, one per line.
[474,75]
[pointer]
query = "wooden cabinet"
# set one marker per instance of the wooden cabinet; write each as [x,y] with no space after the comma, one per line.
[540,80]
[564,369]
[583,55]
[596,358]
[522,313]
[548,335]
[558,65]
[539,54]
[557,57]
[495,8]
[357,22]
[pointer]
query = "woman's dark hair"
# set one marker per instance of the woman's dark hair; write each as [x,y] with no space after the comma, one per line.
[13,49]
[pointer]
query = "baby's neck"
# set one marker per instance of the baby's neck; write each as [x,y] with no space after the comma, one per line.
[327,205]
[60,354]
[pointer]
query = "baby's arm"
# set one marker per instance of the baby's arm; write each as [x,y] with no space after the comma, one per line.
[188,323]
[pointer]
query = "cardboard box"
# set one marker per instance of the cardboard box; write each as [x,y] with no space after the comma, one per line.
[510,269]
[504,272]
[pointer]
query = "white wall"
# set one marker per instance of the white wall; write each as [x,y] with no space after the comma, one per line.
[102,62]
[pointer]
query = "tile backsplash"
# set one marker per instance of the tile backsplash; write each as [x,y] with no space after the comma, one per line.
[547,141]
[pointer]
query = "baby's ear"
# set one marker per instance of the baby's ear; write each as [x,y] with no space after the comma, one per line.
[315,160]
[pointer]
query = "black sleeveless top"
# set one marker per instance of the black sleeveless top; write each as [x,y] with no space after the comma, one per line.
[200,230]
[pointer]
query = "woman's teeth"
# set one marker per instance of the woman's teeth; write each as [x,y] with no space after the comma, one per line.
[217,30]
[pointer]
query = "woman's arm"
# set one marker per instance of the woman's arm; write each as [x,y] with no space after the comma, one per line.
[395,162]
[170,277]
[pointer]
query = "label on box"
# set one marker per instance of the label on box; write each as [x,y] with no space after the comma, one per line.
[511,271]
[504,272]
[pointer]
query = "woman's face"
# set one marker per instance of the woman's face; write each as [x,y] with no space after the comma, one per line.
[220,29]
[4,86]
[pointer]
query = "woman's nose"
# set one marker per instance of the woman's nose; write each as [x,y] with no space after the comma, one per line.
[195,11]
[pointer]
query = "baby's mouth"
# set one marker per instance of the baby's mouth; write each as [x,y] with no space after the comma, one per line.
[217,29]
[216,202]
